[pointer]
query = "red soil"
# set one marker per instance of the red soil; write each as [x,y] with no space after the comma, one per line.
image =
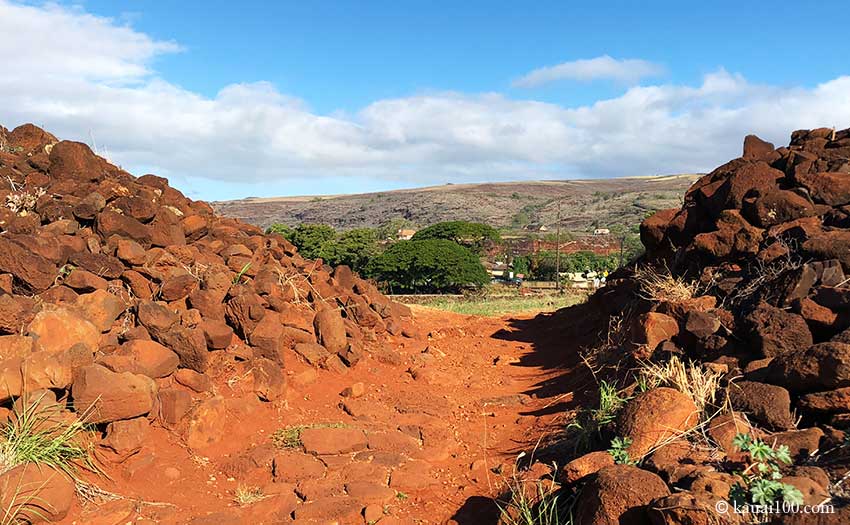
[480,394]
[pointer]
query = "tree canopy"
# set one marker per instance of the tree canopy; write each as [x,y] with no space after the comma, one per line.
[473,235]
[354,248]
[430,265]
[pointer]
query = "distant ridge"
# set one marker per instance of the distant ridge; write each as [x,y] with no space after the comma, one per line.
[585,204]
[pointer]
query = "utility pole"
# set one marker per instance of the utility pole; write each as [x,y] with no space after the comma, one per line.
[558,249]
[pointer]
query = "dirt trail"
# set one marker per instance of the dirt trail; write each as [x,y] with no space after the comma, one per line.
[440,410]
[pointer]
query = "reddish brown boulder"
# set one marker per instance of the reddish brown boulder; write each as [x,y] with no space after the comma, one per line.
[150,358]
[30,138]
[104,396]
[15,346]
[651,328]
[813,492]
[833,244]
[15,313]
[689,508]
[330,330]
[824,366]
[59,329]
[112,223]
[775,206]
[292,467]
[833,401]
[801,443]
[655,416]
[654,227]
[332,440]
[267,337]
[269,379]
[732,237]
[313,353]
[244,311]
[178,287]
[777,332]
[586,465]
[768,404]
[126,437]
[173,406]
[101,264]
[217,334]
[101,308]
[75,160]
[36,493]
[723,429]
[618,495]
[84,281]
[130,252]
[828,188]
[30,270]
[756,148]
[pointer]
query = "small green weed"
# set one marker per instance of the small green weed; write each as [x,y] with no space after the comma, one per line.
[620,451]
[762,485]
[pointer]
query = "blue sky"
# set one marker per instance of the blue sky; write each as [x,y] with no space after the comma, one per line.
[268,98]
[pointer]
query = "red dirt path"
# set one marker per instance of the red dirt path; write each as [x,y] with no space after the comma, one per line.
[478,386]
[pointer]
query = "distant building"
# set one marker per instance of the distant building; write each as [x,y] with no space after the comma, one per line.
[537,228]
[601,231]
[405,234]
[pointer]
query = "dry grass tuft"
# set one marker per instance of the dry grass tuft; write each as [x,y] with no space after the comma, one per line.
[657,285]
[248,495]
[534,502]
[692,379]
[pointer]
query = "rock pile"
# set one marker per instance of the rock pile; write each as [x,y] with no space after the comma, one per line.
[113,289]
[748,279]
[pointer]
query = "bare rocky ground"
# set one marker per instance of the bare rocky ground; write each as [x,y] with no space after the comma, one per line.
[584,203]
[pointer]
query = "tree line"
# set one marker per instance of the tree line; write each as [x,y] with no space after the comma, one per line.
[442,258]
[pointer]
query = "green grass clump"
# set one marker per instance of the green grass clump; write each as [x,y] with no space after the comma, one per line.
[290,437]
[590,423]
[38,434]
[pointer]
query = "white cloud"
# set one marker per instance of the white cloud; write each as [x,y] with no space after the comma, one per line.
[251,138]
[627,71]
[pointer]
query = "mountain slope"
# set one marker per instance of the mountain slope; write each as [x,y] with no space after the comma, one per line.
[585,204]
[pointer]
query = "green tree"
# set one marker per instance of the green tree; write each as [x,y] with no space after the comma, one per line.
[354,248]
[281,229]
[521,264]
[430,265]
[310,238]
[473,235]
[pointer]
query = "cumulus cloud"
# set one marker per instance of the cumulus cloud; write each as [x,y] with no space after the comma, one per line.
[252,139]
[627,71]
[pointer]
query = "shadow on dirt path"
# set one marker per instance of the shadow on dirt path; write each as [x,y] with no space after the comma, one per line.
[557,341]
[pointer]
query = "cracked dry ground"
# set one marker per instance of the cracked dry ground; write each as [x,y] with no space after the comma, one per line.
[439,412]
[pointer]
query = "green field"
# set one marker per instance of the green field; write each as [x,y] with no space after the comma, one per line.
[497,306]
